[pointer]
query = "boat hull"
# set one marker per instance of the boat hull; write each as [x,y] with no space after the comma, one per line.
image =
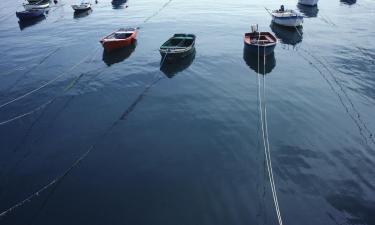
[261,50]
[110,45]
[27,15]
[308,2]
[79,8]
[292,21]
[170,56]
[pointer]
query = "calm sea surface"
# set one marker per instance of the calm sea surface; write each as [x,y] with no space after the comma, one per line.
[182,145]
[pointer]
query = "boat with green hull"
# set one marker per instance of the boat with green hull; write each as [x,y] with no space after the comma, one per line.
[177,47]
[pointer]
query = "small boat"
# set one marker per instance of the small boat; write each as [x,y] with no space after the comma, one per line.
[177,47]
[35,6]
[261,43]
[119,39]
[30,14]
[308,2]
[82,7]
[288,18]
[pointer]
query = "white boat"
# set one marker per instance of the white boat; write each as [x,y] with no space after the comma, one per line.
[82,7]
[308,2]
[289,18]
[35,6]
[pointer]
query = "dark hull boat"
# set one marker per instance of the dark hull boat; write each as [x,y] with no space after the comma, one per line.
[171,69]
[30,14]
[262,43]
[260,64]
[177,47]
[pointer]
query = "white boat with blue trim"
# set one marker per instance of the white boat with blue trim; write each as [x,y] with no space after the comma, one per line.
[288,18]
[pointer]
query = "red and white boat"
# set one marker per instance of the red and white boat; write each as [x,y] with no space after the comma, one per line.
[119,39]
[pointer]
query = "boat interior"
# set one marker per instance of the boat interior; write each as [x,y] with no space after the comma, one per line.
[119,35]
[178,42]
[261,38]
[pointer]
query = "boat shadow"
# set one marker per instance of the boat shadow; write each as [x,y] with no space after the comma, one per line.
[288,35]
[23,24]
[308,11]
[78,15]
[260,64]
[172,68]
[348,2]
[118,4]
[119,55]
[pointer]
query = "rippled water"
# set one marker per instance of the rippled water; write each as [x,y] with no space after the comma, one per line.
[187,148]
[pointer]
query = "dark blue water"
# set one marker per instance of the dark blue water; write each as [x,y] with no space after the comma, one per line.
[183,144]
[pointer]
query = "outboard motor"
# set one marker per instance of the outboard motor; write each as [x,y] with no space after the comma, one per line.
[254,28]
[282,8]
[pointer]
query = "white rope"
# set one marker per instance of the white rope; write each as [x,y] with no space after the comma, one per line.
[44,85]
[266,146]
[84,155]
[66,89]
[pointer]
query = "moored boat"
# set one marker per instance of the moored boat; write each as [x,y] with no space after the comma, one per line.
[289,18]
[261,43]
[82,7]
[119,39]
[30,14]
[35,6]
[177,47]
[308,2]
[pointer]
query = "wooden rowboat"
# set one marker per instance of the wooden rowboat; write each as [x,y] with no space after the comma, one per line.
[260,43]
[119,39]
[178,46]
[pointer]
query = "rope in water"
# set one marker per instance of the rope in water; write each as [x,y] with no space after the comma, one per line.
[85,154]
[356,118]
[265,137]
[45,84]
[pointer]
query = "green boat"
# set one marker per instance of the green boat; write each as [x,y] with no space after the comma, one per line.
[177,47]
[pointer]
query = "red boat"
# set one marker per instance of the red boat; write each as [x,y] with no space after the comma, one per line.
[119,39]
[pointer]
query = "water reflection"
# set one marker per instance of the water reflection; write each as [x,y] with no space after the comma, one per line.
[308,11]
[110,58]
[82,14]
[257,63]
[28,23]
[348,2]
[118,4]
[288,35]
[170,69]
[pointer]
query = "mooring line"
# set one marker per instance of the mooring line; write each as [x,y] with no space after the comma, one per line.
[29,70]
[266,141]
[59,179]
[45,84]
[157,12]
[360,123]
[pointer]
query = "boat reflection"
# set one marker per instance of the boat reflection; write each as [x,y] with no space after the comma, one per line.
[171,68]
[308,11]
[118,4]
[28,23]
[117,56]
[260,64]
[348,2]
[288,35]
[78,14]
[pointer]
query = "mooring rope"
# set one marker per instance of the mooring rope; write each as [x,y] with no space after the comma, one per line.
[157,12]
[356,119]
[45,84]
[85,154]
[265,139]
